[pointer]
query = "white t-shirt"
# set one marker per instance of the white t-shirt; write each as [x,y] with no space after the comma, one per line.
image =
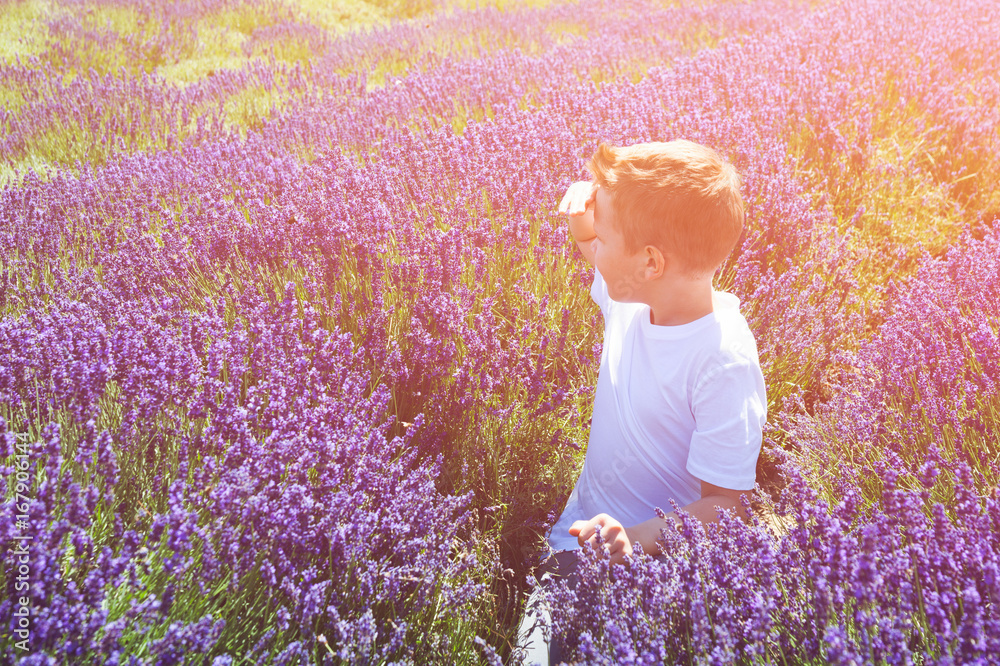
[675,405]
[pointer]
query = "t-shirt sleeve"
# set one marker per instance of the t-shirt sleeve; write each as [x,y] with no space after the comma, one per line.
[599,292]
[730,408]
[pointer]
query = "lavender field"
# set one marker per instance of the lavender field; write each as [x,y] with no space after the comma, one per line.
[297,356]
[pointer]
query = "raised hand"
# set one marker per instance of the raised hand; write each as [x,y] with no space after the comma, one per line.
[578,204]
[578,198]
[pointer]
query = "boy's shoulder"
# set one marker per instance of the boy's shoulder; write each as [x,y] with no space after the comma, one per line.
[735,337]
[729,346]
[722,341]
[732,325]
[720,338]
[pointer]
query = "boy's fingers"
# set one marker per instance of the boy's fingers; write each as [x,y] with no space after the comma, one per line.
[568,203]
[585,531]
[587,197]
[620,557]
[584,197]
[578,196]
[582,530]
[564,202]
[616,541]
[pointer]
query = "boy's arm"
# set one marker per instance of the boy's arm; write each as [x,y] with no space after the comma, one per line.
[578,204]
[705,509]
[619,539]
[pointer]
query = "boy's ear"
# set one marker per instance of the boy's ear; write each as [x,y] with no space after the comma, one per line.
[656,262]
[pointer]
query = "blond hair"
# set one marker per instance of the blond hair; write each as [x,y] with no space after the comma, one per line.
[678,196]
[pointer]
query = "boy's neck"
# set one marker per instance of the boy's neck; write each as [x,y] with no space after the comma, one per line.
[681,301]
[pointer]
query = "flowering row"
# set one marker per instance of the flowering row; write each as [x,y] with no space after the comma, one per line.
[308,356]
[911,581]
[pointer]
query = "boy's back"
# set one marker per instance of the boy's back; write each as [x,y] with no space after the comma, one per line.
[674,405]
[680,401]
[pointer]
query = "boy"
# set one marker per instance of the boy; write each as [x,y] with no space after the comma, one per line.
[680,401]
